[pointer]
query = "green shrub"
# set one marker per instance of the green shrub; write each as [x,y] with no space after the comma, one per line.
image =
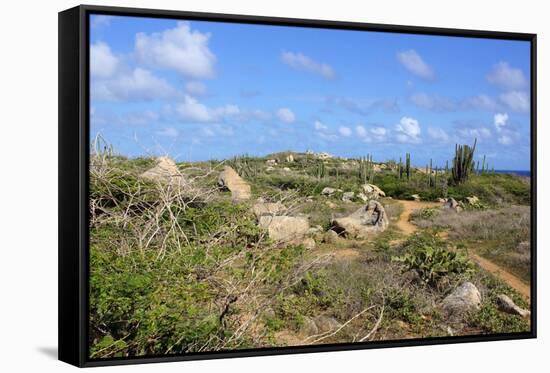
[429,257]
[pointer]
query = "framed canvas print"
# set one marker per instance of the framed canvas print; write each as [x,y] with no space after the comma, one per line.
[240,186]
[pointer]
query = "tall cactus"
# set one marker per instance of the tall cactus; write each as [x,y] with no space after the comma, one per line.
[463,162]
[408,166]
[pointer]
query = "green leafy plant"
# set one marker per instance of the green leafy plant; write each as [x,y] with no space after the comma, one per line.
[429,257]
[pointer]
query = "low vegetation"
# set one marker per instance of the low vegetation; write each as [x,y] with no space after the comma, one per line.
[180,267]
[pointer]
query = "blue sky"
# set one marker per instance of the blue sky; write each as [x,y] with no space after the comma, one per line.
[211,90]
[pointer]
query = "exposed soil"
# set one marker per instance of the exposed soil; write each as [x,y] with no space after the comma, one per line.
[408,228]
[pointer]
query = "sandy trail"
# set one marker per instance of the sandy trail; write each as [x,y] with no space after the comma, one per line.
[408,228]
[408,207]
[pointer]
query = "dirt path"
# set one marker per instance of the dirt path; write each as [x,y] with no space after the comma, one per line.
[408,207]
[408,228]
[507,277]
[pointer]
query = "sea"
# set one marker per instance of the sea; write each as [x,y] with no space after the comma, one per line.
[515,172]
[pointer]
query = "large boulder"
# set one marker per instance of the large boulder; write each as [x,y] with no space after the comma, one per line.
[230,179]
[463,299]
[284,228]
[372,191]
[267,208]
[369,219]
[505,304]
[165,171]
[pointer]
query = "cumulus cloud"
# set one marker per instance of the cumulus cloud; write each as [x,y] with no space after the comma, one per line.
[300,62]
[180,49]
[320,126]
[345,131]
[195,88]
[408,131]
[500,121]
[438,134]
[415,64]
[193,110]
[468,134]
[135,85]
[103,63]
[516,100]
[285,115]
[507,77]
[375,134]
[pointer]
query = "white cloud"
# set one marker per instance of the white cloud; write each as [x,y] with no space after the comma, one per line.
[375,134]
[408,130]
[138,84]
[438,134]
[505,140]
[298,61]
[195,88]
[415,64]
[480,102]
[500,121]
[516,100]
[193,110]
[320,126]
[361,131]
[103,63]
[285,115]
[345,131]
[471,133]
[168,132]
[180,49]
[507,77]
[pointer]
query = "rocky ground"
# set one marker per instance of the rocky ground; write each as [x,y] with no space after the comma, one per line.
[297,249]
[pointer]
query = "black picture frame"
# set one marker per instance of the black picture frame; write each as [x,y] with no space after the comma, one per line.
[73,181]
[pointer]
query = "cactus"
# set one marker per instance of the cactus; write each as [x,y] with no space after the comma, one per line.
[483,165]
[463,162]
[408,166]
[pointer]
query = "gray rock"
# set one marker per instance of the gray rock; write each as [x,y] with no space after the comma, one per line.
[372,191]
[463,299]
[451,203]
[505,304]
[165,171]
[284,228]
[415,197]
[267,208]
[328,191]
[362,196]
[348,196]
[230,179]
[271,162]
[367,220]
[326,323]
[308,326]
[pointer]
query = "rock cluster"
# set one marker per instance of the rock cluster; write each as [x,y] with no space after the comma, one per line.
[367,220]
